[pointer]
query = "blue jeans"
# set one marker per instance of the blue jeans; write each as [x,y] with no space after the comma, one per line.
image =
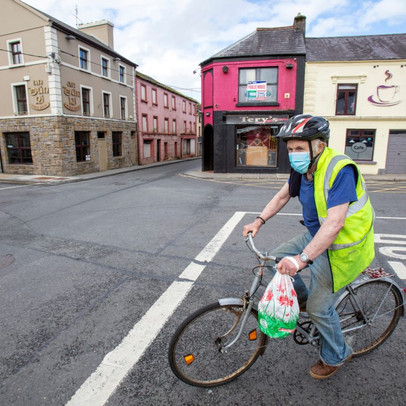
[320,301]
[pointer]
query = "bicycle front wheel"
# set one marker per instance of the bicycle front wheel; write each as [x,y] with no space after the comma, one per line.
[197,353]
[371,316]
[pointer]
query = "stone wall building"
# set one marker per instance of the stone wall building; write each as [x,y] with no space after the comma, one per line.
[68,101]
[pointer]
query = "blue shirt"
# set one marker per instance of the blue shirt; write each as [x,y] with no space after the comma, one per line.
[342,191]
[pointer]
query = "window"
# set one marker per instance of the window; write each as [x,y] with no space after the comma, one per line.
[105,67]
[147,148]
[121,74]
[174,126]
[16,52]
[19,148]
[82,141]
[166,100]
[256,146]
[346,99]
[154,98]
[83,59]
[106,105]
[258,85]
[143,93]
[190,108]
[166,126]
[359,144]
[184,106]
[144,123]
[155,124]
[20,94]
[123,108]
[173,103]
[117,143]
[184,127]
[86,102]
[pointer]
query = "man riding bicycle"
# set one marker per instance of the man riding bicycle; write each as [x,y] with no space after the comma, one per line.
[338,243]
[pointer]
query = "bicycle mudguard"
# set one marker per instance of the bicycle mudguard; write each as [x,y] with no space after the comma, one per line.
[231,301]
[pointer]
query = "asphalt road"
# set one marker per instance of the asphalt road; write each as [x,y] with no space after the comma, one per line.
[91,286]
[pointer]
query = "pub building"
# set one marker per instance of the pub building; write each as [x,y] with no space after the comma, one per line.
[249,90]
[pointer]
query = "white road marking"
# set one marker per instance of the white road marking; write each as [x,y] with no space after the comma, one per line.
[399,268]
[97,389]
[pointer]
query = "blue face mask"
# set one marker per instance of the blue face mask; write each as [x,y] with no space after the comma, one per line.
[299,161]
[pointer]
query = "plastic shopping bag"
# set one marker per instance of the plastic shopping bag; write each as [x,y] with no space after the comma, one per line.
[278,310]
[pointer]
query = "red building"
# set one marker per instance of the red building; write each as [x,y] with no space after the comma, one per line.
[248,91]
[166,122]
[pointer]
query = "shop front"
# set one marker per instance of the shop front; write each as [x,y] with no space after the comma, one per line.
[247,143]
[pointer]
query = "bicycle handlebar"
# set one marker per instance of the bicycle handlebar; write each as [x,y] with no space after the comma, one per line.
[261,255]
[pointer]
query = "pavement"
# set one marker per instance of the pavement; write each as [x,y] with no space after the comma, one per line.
[208,175]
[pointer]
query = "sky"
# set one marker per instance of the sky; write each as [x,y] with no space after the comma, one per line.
[168,39]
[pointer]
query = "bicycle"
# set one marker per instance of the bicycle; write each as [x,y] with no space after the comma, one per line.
[222,340]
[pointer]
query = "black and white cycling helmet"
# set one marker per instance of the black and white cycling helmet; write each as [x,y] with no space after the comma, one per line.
[305,127]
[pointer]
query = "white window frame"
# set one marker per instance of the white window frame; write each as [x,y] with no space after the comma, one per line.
[110,104]
[124,73]
[90,99]
[10,55]
[89,63]
[15,104]
[121,97]
[108,66]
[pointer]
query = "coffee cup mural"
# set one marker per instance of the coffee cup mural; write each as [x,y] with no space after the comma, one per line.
[386,95]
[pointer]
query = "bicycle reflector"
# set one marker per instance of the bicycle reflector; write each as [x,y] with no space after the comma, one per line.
[252,335]
[189,359]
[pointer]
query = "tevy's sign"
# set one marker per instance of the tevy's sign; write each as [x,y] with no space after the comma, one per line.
[73,95]
[256,119]
[40,94]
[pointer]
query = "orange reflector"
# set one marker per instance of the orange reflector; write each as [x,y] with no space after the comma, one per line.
[252,335]
[189,359]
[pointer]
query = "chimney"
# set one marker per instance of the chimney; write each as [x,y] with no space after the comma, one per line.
[102,30]
[300,23]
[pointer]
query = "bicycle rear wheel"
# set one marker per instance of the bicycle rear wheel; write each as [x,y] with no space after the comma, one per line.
[195,351]
[367,327]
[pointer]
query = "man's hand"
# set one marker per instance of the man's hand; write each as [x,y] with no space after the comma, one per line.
[252,228]
[288,265]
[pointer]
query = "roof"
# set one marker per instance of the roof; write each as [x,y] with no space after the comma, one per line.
[90,39]
[156,83]
[357,48]
[265,42]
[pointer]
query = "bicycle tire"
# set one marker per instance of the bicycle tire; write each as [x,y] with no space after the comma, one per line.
[199,337]
[382,304]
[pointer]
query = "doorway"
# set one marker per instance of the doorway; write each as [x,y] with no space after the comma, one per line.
[208,148]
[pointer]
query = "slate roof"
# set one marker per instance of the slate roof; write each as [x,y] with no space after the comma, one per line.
[265,42]
[357,48]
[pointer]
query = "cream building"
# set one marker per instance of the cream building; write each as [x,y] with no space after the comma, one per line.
[68,102]
[359,85]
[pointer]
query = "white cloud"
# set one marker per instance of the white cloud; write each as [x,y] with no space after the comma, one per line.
[169,38]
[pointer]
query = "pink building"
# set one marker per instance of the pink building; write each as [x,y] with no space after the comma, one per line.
[249,90]
[166,122]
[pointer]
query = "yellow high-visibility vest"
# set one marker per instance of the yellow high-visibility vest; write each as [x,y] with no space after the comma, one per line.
[353,249]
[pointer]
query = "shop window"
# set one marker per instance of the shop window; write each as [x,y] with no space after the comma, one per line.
[346,99]
[117,143]
[19,148]
[20,95]
[82,142]
[147,148]
[256,146]
[258,85]
[359,144]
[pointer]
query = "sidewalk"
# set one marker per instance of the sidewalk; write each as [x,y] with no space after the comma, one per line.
[258,177]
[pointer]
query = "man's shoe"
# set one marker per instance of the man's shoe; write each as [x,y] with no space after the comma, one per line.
[320,370]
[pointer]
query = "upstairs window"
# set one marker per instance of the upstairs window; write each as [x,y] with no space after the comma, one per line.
[123,108]
[106,105]
[166,126]
[16,52]
[166,100]
[154,97]
[173,103]
[121,74]
[20,94]
[83,59]
[346,99]
[86,101]
[105,67]
[143,93]
[258,85]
